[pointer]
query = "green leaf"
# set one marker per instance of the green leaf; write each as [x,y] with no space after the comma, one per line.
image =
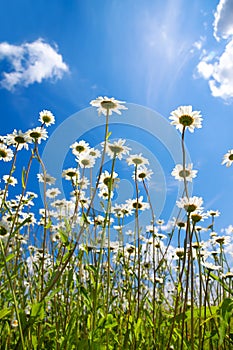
[226,309]
[109,134]
[10,257]
[37,312]
[4,313]
[23,178]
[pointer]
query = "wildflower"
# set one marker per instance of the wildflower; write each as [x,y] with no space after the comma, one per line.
[106,179]
[55,237]
[190,204]
[70,173]
[6,154]
[197,216]
[37,134]
[137,204]
[228,274]
[50,180]
[29,218]
[213,234]
[228,158]
[18,139]
[179,252]
[46,117]
[11,180]
[20,238]
[222,240]
[83,183]
[121,210]
[80,147]
[143,173]
[106,105]
[211,267]
[95,153]
[104,193]
[4,230]
[52,192]
[160,222]
[137,159]
[117,149]
[129,248]
[99,220]
[85,160]
[159,280]
[181,224]
[179,172]
[212,213]
[14,323]
[184,117]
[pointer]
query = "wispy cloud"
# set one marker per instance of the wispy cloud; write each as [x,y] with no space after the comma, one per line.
[218,69]
[30,63]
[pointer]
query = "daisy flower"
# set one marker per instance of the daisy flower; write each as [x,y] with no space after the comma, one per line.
[211,267]
[185,117]
[95,153]
[197,216]
[121,210]
[6,154]
[228,158]
[4,230]
[52,192]
[190,204]
[105,179]
[212,213]
[46,117]
[11,180]
[104,193]
[37,134]
[106,105]
[143,173]
[137,204]
[70,173]
[50,180]
[221,239]
[85,160]
[117,149]
[18,139]
[179,252]
[79,147]
[137,159]
[180,173]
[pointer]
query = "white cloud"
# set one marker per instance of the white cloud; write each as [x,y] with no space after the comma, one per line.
[223,24]
[219,73]
[31,62]
[198,44]
[218,70]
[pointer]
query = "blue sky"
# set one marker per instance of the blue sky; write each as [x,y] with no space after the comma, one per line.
[157,54]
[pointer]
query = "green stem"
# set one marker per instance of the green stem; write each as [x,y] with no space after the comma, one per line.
[14,296]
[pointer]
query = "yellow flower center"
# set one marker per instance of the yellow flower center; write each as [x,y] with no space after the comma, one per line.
[108,104]
[20,139]
[186,120]
[116,149]
[184,173]
[190,207]
[3,153]
[35,135]
[79,149]
[46,119]
[3,231]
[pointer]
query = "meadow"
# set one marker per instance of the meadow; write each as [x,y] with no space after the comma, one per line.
[66,284]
